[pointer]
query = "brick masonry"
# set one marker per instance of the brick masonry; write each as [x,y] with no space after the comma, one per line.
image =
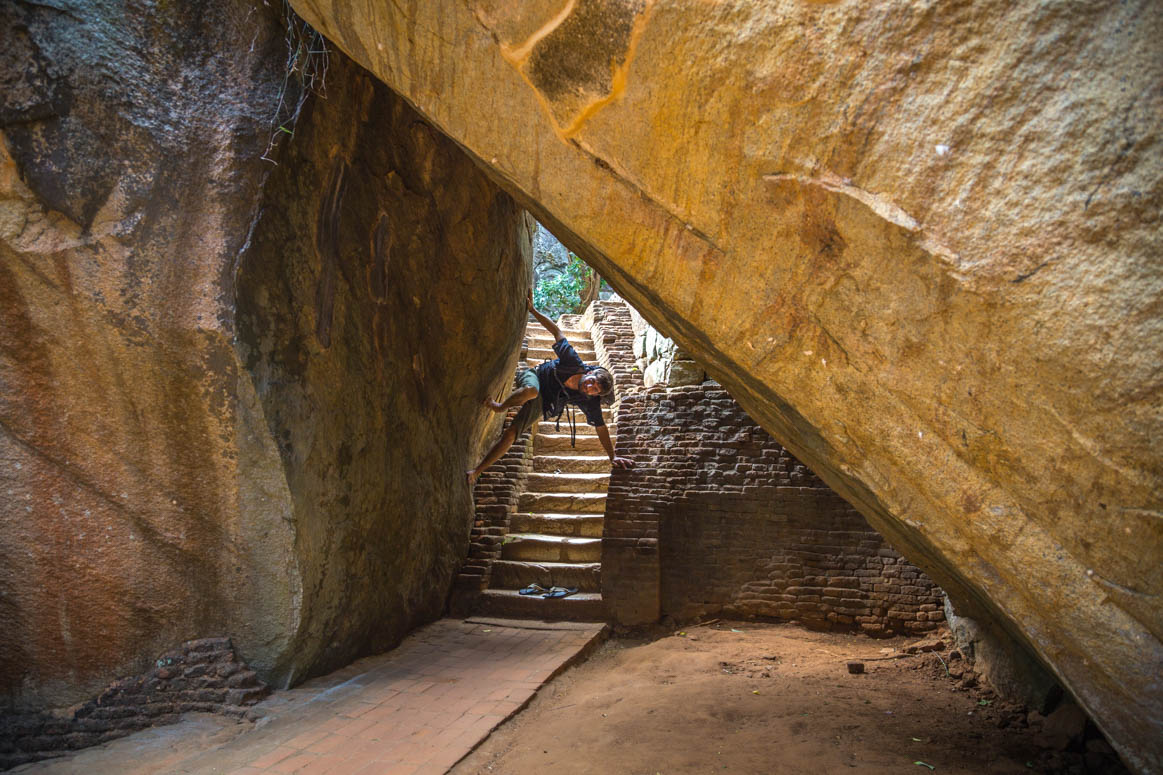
[613,334]
[719,519]
[495,497]
[200,676]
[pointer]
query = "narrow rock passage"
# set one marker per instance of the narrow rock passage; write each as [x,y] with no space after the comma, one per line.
[417,709]
[555,537]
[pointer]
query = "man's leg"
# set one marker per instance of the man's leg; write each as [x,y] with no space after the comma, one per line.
[494,454]
[517,398]
[528,396]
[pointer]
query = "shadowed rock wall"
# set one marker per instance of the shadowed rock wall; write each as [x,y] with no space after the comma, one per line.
[224,411]
[918,241]
[376,302]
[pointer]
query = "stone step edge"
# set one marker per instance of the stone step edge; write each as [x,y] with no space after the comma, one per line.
[577,476]
[551,564]
[537,331]
[535,356]
[513,592]
[550,538]
[583,496]
[558,436]
[599,487]
[581,597]
[583,606]
[571,493]
[556,515]
[532,624]
[586,432]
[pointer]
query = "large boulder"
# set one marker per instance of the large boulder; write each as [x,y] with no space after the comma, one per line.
[918,241]
[237,397]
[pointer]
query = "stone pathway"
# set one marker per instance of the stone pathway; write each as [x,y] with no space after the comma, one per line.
[416,710]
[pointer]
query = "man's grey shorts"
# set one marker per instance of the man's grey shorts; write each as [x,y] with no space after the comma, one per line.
[531,411]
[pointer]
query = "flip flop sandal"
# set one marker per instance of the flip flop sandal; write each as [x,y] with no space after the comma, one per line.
[534,589]
[560,592]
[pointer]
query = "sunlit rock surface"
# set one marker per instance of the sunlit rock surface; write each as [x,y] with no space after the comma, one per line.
[228,409]
[918,241]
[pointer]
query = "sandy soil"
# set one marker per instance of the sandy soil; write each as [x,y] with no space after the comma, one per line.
[766,698]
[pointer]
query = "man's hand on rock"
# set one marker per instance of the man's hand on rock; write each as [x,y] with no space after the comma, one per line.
[494,405]
[622,462]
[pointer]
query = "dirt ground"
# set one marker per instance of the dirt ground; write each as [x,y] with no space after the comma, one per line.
[732,697]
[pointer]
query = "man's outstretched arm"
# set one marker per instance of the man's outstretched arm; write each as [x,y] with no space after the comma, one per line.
[617,462]
[549,325]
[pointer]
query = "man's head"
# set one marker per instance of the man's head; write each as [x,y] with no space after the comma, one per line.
[596,382]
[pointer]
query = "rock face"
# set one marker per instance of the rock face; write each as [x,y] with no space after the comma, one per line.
[227,408]
[659,358]
[918,242]
[379,301]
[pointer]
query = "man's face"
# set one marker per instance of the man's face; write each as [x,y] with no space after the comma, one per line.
[589,385]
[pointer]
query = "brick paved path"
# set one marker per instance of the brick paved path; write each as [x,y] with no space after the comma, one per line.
[416,710]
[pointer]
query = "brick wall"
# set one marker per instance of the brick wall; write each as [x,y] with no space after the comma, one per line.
[494,498]
[201,675]
[719,519]
[613,334]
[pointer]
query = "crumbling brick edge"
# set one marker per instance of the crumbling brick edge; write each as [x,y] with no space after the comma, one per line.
[494,498]
[203,675]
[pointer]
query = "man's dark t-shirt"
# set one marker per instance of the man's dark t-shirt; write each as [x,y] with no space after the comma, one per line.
[555,395]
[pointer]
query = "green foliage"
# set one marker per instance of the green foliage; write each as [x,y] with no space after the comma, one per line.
[561,295]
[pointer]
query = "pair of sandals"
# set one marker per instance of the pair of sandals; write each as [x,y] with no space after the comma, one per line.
[537,589]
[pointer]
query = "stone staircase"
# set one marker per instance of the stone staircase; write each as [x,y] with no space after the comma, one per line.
[555,536]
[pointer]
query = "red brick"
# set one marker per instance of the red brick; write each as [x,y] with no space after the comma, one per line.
[274,757]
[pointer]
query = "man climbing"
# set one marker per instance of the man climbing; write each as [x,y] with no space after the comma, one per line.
[545,391]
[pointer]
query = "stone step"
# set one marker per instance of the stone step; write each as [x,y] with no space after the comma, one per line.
[571,464]
[536,355]
[583,427]
[546,482]
[539,337]
[582,607]
[585,344]
[517,574]
[562,502]
[536,547]
[607,415]
[579,525]
[558,444]
[536,329]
